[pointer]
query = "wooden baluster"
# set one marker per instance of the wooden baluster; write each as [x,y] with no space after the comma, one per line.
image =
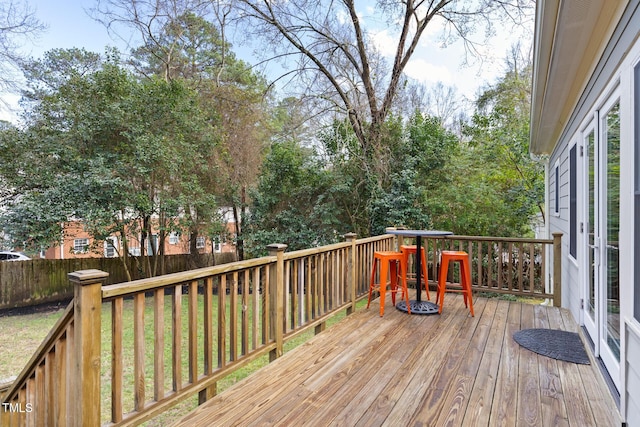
[293,291]
[255,308]
[208,326]
[510,265]
[233,318]
[266,304]
[521,259]
[245,313]
[68,408]
[193,331]
[60,381]
[532,266]
[50,372]
[176,345]
[138,352]
[116,359]
[211,390]
[158,346]
[499,265]
[222,321]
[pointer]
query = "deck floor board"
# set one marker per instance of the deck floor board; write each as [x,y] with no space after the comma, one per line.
[448,369]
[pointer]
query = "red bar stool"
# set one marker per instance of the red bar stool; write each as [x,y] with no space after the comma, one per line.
[408,250]
[465,278]
[389,264]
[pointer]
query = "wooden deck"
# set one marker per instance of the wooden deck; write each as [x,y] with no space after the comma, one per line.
[403,370]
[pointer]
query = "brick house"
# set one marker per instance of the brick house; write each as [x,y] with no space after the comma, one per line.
[78,243]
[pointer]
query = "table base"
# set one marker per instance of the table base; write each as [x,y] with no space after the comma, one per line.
[418,307]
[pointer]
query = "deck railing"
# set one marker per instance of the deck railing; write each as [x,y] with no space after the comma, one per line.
[176,336]
[513,266]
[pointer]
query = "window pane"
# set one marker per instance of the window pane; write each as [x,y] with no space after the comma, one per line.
[80,245]
[557,186]
[636,121]
[591,222]
[612,123]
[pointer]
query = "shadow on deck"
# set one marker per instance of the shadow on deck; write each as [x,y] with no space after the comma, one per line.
[448,369]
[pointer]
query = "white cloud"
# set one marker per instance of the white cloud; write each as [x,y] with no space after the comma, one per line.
[385,43]
[9,111]
[425,72]
[342,17]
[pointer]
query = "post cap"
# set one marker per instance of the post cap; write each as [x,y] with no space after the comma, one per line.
[276,247]
[88,276]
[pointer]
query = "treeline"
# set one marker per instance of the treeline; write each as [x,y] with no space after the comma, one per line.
[160,140]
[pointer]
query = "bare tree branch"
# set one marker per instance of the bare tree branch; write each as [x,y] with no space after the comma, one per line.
[18,25]
[336,47]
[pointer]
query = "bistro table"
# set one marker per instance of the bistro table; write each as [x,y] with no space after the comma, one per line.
[418,306]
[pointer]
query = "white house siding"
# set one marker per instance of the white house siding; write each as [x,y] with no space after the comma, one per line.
[615,70]
[571,290]
[633,376]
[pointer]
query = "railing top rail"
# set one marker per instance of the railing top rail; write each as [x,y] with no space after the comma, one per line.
[374,238]
[496,239]
[46,345]
[314,251]
[143,285]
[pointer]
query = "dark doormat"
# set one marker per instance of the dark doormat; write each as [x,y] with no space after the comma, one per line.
[554,343]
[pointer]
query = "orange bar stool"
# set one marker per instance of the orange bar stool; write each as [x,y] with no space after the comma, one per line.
[389,263]
[465,278]
[408,250]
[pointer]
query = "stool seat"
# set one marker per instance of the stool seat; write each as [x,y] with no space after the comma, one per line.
[408,250]
[465,278]
[389,262]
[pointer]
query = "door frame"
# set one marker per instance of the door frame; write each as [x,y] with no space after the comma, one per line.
[590,323]
[596,326]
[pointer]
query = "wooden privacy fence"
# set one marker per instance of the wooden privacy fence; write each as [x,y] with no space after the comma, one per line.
[25,283]
[176,336]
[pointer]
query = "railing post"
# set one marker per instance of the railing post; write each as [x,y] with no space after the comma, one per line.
[276,289]
[396,239]
[557,269]
[351,272]
[85,385]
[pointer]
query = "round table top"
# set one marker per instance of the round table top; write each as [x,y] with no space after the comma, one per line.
[420,232]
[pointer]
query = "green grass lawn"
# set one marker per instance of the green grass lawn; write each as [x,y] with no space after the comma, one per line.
[20,336]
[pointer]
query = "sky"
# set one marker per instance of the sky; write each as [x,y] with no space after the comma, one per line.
[69,25]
